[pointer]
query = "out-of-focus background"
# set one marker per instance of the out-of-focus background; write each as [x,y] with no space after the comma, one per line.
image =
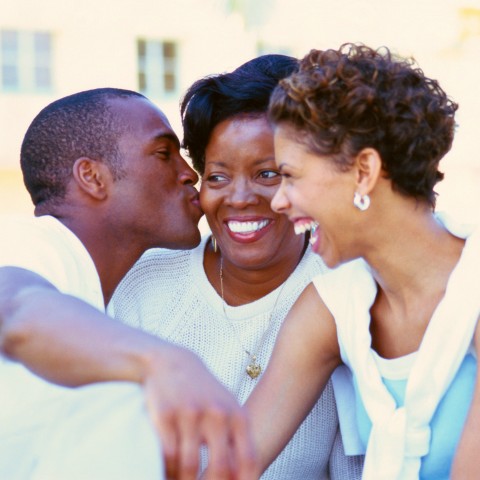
[52,48]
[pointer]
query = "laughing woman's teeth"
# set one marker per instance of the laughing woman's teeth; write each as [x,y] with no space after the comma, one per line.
[303,227]
[299,229]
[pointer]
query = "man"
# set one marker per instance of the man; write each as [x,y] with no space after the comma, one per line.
[105,174]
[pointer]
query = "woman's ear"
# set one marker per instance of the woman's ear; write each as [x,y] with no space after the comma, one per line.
[369,168]
[92,177]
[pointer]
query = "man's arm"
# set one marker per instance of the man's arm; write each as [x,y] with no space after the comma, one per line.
[67,341]
[305,354]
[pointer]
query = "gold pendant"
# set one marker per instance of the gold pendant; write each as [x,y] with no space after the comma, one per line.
[254,369]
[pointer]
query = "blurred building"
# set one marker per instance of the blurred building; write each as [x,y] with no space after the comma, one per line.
[53,48]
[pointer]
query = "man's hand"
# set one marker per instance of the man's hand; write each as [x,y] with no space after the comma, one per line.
[191,408]
[45,329]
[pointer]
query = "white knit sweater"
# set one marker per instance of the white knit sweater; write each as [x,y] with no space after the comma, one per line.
[167,293]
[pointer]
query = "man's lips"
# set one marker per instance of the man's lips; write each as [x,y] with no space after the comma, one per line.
[195,198]
[195,201]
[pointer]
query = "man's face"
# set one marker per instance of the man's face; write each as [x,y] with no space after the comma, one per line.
[154,202]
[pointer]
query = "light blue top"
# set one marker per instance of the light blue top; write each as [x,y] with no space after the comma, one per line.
[448,420]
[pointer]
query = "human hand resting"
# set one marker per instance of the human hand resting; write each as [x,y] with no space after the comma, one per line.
[44,328]
[189,407]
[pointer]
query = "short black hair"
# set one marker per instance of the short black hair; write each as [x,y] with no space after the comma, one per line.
[79,125]
[215,98]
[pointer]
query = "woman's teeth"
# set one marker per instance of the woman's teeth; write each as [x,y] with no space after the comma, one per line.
[246,227]
[303,227]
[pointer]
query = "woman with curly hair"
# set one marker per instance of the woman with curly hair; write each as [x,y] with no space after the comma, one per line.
[359,135]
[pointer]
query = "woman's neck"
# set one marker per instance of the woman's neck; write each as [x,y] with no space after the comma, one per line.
[412,269]
[415,256]
[242,285]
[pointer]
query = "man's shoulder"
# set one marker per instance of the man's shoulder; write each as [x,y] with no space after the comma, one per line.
[24,232]
[16,225]
[44,235]
[46,247]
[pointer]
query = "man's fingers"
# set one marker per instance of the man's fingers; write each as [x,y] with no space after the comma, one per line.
[225,431]
[166,427]
[194,409]
[189,447]
[245,460]
[217,435]
[231,453]
[246,463]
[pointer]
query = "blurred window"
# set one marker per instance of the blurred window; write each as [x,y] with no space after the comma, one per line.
[25,61]
[158,68]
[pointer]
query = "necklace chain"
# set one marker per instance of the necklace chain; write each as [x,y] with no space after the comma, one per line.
[253,369]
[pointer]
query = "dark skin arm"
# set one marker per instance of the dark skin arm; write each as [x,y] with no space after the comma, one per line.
[67,341]
[304,357]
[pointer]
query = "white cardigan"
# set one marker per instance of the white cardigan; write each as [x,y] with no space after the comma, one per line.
[401,436]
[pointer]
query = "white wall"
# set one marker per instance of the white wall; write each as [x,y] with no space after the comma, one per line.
[95,46]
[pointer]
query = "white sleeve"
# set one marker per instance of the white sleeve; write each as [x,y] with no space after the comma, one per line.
[25,243]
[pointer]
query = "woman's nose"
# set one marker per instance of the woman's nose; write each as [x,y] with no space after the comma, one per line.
[241,194]
[279,201]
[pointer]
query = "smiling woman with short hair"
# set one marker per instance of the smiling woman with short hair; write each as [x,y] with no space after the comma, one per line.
[227,299]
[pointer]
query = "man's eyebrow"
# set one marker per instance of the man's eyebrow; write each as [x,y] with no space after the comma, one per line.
[167,136]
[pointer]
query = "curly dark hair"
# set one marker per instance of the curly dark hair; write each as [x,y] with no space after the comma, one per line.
[80,125]
[215,98]
[342,101]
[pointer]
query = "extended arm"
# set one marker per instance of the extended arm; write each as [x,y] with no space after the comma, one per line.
[71,343]
[305,355]
[465,465]
[62,338]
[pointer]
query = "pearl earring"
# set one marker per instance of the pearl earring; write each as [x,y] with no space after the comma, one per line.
[362,202]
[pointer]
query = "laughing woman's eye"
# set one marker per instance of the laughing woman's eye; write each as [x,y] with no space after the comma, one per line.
[285,175]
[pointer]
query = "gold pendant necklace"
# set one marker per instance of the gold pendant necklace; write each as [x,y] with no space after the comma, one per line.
[253,369]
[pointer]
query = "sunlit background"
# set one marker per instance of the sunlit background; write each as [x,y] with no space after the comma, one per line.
[51,48]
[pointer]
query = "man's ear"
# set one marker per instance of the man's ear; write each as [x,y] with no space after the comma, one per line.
[368,164]
[92,177]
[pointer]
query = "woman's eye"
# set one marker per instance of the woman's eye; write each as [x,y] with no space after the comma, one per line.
[285,175]
[215,178]
[269,175]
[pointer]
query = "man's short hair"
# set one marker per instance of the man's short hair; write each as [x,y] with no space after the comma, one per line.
[80,125]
